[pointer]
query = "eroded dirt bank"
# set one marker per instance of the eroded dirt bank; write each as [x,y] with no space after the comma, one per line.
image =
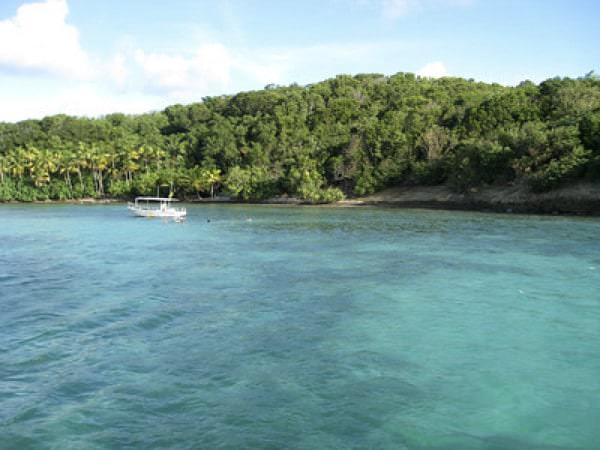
[577,199]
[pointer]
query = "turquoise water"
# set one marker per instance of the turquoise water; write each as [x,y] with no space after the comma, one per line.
[298,328]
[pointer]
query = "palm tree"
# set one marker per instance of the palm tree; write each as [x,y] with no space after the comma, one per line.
[16,163]
[29,156]
[3,167]
[99,160]
[157,154]
[68,165]
[82,157]
[176,148]
[197,180]
[113,155]
[130,164]
[143,151]
[123,157]
[201,179]
[44,165]
[212,178]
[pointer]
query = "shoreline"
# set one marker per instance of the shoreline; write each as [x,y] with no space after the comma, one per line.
[581,199]
[533,209]
[75,201]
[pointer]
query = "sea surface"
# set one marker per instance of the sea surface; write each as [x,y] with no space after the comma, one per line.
[253,327]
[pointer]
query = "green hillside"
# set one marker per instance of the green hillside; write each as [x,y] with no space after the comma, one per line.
[349,135]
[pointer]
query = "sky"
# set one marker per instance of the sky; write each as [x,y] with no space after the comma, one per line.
[95,57]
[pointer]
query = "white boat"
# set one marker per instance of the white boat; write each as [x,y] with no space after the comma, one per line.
[156,207]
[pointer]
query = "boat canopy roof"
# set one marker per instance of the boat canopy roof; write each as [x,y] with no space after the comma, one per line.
[156,199]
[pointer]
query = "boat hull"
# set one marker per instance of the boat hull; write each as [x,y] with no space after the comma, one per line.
[176,213]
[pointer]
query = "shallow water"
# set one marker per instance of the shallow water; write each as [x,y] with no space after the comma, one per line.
[300,328]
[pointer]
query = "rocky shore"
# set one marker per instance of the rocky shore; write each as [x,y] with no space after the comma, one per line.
[582,199]
[576,199]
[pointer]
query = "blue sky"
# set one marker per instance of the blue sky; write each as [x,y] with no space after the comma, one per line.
[93,57]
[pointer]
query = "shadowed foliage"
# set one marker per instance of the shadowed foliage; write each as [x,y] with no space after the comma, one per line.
[349,135]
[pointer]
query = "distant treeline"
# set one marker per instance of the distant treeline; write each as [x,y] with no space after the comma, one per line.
[349,135]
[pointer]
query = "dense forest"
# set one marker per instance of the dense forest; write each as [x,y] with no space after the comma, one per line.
[349,135]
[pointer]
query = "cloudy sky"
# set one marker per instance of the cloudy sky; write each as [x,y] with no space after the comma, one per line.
[93,57]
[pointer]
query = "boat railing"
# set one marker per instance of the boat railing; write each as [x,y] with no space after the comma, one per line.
[156,207]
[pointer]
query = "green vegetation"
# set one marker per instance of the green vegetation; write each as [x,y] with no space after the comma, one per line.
[347,135]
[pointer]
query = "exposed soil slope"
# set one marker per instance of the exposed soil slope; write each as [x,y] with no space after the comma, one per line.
[580,199]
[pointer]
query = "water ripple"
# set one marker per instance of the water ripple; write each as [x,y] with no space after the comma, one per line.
[305,328]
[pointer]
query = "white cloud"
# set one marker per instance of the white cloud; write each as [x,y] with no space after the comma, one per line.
[214,69]
[316,62]
[264,73]
[211,70]
[83,99]
[88,100]
[117,70]
[136,81]
[393,9]
[39,39]
[133,79]
[210,67]
[433,70]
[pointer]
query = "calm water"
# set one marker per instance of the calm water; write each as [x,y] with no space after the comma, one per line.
[300,328]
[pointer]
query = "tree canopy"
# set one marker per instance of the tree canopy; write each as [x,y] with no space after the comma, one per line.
[349,135]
